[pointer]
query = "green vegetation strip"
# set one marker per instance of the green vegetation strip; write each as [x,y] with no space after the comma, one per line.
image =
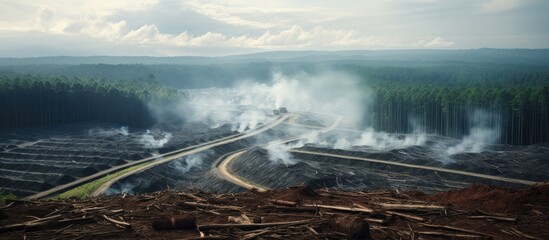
[4,196]
[84,191]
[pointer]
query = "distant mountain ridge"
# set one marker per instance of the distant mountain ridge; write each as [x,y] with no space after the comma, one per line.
[484,55]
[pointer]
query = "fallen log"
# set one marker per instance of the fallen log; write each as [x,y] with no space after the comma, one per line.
[508,219]
[353,227]
[455,229]
[258,225]
[374,220]
[44,219]
[190,195]
[395,206]
[176,222]
[312,230]
[254,235]
[362,207]
[291,209]
[89,209]
[7,206]
[45,224]
[216,237]
[340,208]
[524,235]
[453,235]
[283,202]
[125,224]
[407,216]
[204,205]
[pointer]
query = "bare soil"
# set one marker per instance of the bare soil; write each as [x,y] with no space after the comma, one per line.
[478,212]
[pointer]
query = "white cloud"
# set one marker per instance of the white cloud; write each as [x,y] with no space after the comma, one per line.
[44,18]
[439,42]
[263,14]
[493,6]
[244,25]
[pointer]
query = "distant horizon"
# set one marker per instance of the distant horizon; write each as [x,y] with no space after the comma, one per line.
[282,51]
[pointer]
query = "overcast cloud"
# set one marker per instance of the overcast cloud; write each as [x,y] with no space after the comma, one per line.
[207,27]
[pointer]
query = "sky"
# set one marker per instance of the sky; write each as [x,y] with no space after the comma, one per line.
[30,28]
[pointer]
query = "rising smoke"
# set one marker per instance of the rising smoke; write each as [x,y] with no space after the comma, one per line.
[184,165]
[484,130]
[372,139]
[155,139]
[109,132]
[249,104]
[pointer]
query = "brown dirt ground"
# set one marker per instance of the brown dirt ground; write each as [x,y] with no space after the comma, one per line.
[526,212]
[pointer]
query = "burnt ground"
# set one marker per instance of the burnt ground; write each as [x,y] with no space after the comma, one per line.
[520,162]
[37,159]
[194,171]
[477,212]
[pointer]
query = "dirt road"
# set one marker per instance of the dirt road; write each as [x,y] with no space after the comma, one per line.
[201,148]
[165,157]
[222,168]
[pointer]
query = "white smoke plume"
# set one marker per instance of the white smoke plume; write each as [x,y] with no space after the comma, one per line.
[374,140]
[184,166]
[109,132]
[484,130]
[155,139]
[249,104]
[279,153]
[386,141]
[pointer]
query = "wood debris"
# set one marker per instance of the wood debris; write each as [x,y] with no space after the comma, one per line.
[293,213]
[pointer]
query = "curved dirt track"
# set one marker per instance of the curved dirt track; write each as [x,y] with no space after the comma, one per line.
[194,150]
[229,176]
[222,168]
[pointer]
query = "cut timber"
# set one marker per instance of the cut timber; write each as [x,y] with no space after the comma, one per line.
[508,219]
[407,216]
[204,205]
[45,224]
[255,234]
[194,197]
[452,228]
[292,209]
[340,208]
[521,234]
[116,221]
[257,225]
[283,202]
[452,235]
[395,206]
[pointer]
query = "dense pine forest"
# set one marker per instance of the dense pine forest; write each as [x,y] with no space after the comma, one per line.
[30,101]
[443,100]
[438,96]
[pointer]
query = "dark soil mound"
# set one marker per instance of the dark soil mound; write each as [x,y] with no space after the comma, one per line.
[495,199]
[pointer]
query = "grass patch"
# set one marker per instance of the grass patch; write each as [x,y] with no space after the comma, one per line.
[84,191]
[6,196]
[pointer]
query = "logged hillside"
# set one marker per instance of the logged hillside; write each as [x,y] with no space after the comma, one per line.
[28,101]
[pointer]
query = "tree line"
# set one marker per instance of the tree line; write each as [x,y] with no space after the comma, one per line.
[520,113]
[29,101]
